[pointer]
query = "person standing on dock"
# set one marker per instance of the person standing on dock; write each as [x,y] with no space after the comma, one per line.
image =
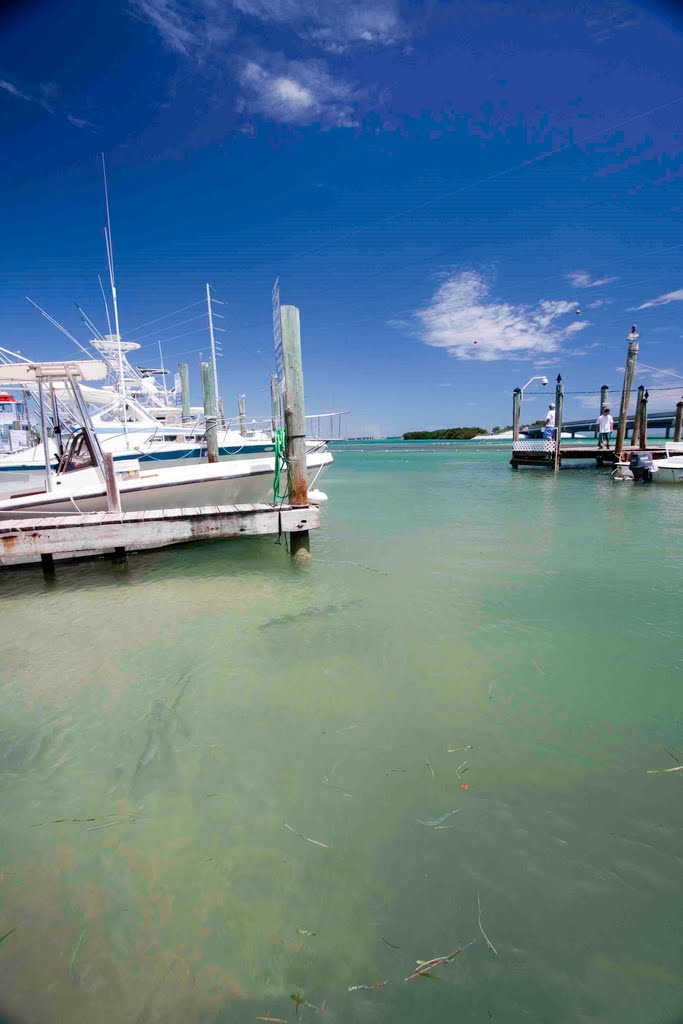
[605,425]
[549,427]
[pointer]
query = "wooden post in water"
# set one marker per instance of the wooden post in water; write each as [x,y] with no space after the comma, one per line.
[643,421]
[516,413]
[274,403]
[184,371]
[209,391]
[604,400]
[242,414]
[637,419]
[559,402]
[626,391]
[295,423]
[111,483]
[679,421]
[47,563]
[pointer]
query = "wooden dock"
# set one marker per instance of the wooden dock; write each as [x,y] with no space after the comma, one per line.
[98,533]
[601,456]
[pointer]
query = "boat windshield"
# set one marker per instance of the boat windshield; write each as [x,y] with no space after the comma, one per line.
[77,454]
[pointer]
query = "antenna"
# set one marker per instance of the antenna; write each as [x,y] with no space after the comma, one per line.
[110,262]
[88,322]
[106,304]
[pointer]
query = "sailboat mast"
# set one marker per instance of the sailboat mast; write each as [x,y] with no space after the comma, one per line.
[110,261]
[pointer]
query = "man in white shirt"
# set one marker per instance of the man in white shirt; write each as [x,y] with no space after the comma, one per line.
[549,428]
[605,425]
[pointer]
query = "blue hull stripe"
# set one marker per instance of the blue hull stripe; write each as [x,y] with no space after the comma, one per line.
[162,456]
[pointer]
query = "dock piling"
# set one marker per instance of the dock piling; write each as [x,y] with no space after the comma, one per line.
[637,419]
[626,391]
[210,427]
[516,413]
[47,563]
[295,423]
[559,403]
[275,416]
[241,412]
[184,371]
[111,483]
[679,421]
[643,421]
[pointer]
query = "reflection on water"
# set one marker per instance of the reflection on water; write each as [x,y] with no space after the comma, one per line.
[453,710]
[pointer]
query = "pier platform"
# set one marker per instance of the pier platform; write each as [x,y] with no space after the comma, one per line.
[601,456]
[30,538]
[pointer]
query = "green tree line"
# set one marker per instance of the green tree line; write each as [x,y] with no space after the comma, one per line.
[446,434]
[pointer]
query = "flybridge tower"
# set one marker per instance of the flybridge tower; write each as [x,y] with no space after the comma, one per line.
[136,384]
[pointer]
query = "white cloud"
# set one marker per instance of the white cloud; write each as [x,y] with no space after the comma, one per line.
[298,92]
[663,300]
[582,279]
[47,89]
[336,25]
[463,319]
[189,27]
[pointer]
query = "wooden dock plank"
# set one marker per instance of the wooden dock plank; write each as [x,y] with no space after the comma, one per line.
[24,539]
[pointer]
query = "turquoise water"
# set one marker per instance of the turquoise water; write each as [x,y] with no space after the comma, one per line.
[159,729]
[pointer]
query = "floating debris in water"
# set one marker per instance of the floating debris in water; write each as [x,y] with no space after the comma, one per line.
[7,934]
[481,929]
[454,750]
[75,953]
[302,836]
[538,667]
[273,1020]
[107,824]
[375,987]
[425,967]
[305,931]
[428,764]
[390,943]
[662,771]
[347,728]
[439,821]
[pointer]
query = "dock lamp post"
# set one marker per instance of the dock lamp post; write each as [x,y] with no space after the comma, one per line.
[543,380]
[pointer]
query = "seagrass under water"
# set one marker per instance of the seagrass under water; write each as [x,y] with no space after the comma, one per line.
[453,710]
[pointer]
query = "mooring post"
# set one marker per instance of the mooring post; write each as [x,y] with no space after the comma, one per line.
[111,483]
[643,421]
[184,371]
[275,417]
[626,391]
[295,423]
[210,428]
[516,413]
[559,401]
[120,558]
[221,413]
[679,421]
[637,419]
[47,563]
[242,414]
[604,400]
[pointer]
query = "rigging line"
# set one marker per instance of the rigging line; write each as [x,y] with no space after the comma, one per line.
[60,328]
[152,344]
[175,311]
[498,174]
[88,322]
[669,373]
[171,327]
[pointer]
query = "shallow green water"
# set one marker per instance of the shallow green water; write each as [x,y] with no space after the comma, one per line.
[215,693]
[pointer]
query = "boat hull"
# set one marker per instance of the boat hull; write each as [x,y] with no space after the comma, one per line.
[228,483]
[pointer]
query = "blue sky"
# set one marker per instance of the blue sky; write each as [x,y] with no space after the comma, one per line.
[440,187]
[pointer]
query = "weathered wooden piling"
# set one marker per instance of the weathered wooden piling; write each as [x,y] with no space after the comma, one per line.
[111,483]
[516,413]
[559,403]
[275,415]
[241,412]
[635,434]
[626,391]
[47,563]
[210,426]
[679,421]
[184,371]
[643,421]
[295,423]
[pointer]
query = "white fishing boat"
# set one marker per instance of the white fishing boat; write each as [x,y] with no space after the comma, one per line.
[669,470]
[79,484]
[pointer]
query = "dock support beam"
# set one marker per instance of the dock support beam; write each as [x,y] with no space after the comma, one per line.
[295,424]
[679,421]
[47,563]
[242,414]
[643,421]
[626,392]
[111,483]
[559,402]
[184,371]
[275,416]
[637,419]
[209,390]
[516,413]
